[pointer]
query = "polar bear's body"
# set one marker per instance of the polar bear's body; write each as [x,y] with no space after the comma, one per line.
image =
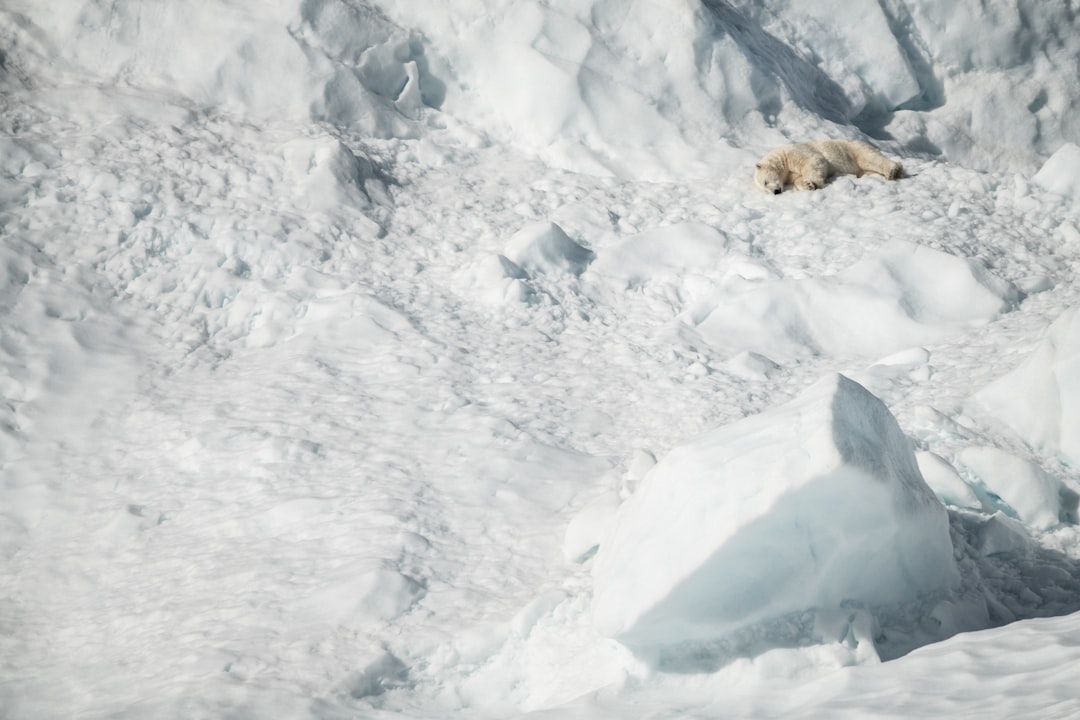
[808,165]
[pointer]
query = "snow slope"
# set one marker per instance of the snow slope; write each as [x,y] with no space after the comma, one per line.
[365,360]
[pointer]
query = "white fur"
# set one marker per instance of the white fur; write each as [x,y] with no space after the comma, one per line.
[809,165]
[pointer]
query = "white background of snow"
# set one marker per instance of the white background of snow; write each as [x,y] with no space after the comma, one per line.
[334,334]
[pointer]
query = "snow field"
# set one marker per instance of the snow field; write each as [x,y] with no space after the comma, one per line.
[325,311]
[340,368]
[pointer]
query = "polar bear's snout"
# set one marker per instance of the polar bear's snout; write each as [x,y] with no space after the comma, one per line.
[769,178]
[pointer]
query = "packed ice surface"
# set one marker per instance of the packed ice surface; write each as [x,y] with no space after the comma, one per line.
[342,342]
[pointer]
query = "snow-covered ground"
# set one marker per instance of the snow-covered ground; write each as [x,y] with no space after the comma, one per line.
[364,359]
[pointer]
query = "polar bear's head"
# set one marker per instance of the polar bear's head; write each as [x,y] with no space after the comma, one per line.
[769,178]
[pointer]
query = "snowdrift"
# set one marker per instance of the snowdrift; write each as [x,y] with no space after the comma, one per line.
[817,504]
[1061,173]
[900,296]
[1040,399]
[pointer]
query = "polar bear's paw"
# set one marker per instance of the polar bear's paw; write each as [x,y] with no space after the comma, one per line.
[804,184]
[895,171]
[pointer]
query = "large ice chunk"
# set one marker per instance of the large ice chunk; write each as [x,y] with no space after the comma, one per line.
[813,504]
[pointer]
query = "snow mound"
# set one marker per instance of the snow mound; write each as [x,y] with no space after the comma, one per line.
[1040,399]
[946,482]
[1027,492]
[687,264]
[496,279]
[328,60]
[591,67]
[324,174]
[546,249]
[1061,173]
[814,504]
[902,295]
[664,254]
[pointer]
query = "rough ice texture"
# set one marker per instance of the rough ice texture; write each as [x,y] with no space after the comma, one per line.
[813,504]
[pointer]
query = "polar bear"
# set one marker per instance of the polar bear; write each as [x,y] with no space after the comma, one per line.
[808,165]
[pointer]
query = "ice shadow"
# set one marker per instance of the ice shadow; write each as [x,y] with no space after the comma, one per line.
[1024,580]
[811,88]
[999,588]
[875,119]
